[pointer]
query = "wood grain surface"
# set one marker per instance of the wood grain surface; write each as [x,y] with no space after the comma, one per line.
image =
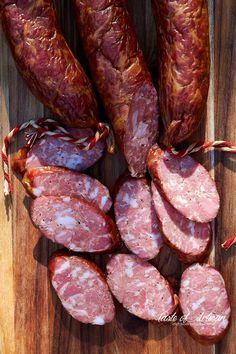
[32,320]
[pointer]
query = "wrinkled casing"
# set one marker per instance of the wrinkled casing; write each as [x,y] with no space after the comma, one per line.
[46,63]
[184,65]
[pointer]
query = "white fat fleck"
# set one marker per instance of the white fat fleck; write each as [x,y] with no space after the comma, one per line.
[191,226]
[180,200]
[198,303]
[169,301]
[186,282]
[38,191]
[94,193]
[87,186]
[215,289]
[130,201]
[67,221]
[63,267]
[75,272]
[129,269]
[86,275]
[42,142]
[82,312]
[129,237]
[103,201]
[99,320]
[141,131]
[66,199]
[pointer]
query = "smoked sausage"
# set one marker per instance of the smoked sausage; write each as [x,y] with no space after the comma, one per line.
[183,65]
[46,63]
[82,288]
[119,71]
[185,183]
[204,301]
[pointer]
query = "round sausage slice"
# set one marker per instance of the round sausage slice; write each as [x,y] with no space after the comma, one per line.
[139,287]
[74,223]
[204,302]
[82,289]
[58,181]
[190,240]
[185,183]
[50,151]
[136,218]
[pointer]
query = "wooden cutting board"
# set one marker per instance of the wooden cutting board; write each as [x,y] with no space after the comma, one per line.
[32,320]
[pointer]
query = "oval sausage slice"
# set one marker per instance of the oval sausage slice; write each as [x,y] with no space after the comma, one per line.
[58,181]
[190,240]
[139,287]
[185,183]
[82,289]
[50,151]
[74,223]
[136,218]
[204,301]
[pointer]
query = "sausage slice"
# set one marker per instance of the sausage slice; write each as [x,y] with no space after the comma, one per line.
[56,181]
[139,287]
[82,289]
[74,223]
[204,302]
[185,183]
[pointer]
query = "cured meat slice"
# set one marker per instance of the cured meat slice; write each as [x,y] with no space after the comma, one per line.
[75,223]
[204,301]
[58,181]
[82,289]
[50,151]
[189,239]
[185,183]
[139,287]
[136,218]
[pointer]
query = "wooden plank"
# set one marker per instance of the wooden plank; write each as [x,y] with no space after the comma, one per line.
[32,319]
[225,123]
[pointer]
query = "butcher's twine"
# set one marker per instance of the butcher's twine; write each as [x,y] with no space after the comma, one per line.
[47,126]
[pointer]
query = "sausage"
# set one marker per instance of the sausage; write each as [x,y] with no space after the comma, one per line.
[119,71]
[136,218]
[46,63]
[139,287]
[183,65]
[185,183]
[190,240]
[82,288]
[56,181]
[50,151]
[204,301]
[75,223]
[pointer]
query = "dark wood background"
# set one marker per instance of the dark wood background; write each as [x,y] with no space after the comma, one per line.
[32,319]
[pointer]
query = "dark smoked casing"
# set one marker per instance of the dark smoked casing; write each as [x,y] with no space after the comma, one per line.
[120,73]
[46,63]
[183,65]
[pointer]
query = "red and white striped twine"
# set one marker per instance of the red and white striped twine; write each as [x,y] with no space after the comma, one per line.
[46,126]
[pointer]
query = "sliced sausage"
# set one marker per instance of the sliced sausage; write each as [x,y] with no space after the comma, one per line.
[50,151]
[139,287]
[74,223]
[204,302]
[185,183]
[183,65]
[46,63]
[119,71]
[136,218]
[58,181]
[190,240]
[82,289]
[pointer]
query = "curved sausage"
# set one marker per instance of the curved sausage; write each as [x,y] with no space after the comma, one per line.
[56,181]
[139,287]
[183,65]
[185,183]
[75,223]
[190,240]
[136,218]
[82,289]
[204,301]
[121,76]
[46,63]
[50,151]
